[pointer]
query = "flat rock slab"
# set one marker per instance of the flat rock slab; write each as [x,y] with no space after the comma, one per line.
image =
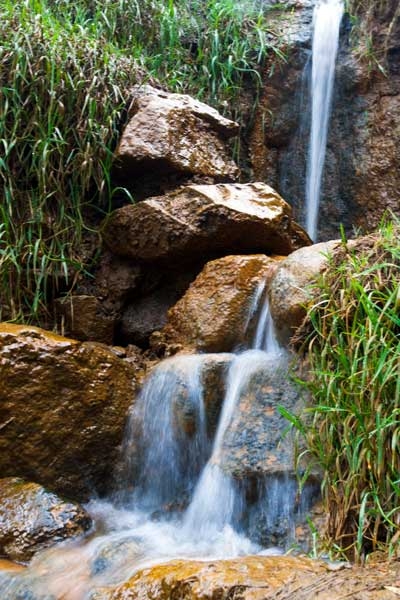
[249,578]
[200,221]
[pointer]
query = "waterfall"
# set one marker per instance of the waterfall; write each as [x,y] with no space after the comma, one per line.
[169,463]
[326,24]
[166,440]
[215,500]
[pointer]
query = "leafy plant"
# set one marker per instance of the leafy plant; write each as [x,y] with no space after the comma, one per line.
[352,336]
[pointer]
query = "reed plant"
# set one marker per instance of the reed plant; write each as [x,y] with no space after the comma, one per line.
[66,68]
[352,431]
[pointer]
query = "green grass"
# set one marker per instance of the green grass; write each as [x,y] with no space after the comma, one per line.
[374,24]
[352,337]
[66,68]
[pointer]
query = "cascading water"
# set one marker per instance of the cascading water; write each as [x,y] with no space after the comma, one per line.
[326,24]
[166,447]
[216,499]
[166,441]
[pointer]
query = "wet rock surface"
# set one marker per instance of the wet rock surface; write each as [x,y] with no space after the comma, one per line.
[250,578]
[361,173]
[199,221]
[290,290]
[173,133]
[214,313]
[32,518]
[63,406]
[257,442]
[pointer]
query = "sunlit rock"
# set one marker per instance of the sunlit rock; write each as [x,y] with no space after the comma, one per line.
[214,313]
[174,132]
[32,518]
[291,286]
[63,406]
[200,221]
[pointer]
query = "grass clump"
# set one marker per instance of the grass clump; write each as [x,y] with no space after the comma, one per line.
[375,23]
[352,335]
[62,96]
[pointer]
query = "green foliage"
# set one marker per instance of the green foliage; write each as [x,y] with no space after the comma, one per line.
[353,341]
[374,23]
[66,67]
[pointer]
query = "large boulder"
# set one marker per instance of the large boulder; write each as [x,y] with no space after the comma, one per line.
[63,406]
[32,518]
[175,133]
[214,314]
[291,286]
[265,448]
[200,221]
[249,578]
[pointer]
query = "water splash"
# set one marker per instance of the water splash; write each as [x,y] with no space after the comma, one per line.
[326,24]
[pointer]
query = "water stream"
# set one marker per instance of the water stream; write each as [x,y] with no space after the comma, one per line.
[326,24]
[170,461]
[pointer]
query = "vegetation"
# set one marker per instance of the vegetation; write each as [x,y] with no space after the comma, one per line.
[372,42]
[66,67]
[352,335]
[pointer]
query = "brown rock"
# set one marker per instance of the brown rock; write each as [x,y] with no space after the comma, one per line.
[213,314]
[290,289]
[63,406]
[83,319]
[174,132]
[205,220]
[32,518]
[116,278]
[249,578]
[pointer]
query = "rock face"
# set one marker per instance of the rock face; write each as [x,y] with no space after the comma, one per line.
[32,518]
[262,449]
[362,168]
[204,220]
[290,289]
[250,578]
[214,313]
[63,406]
[173,133]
